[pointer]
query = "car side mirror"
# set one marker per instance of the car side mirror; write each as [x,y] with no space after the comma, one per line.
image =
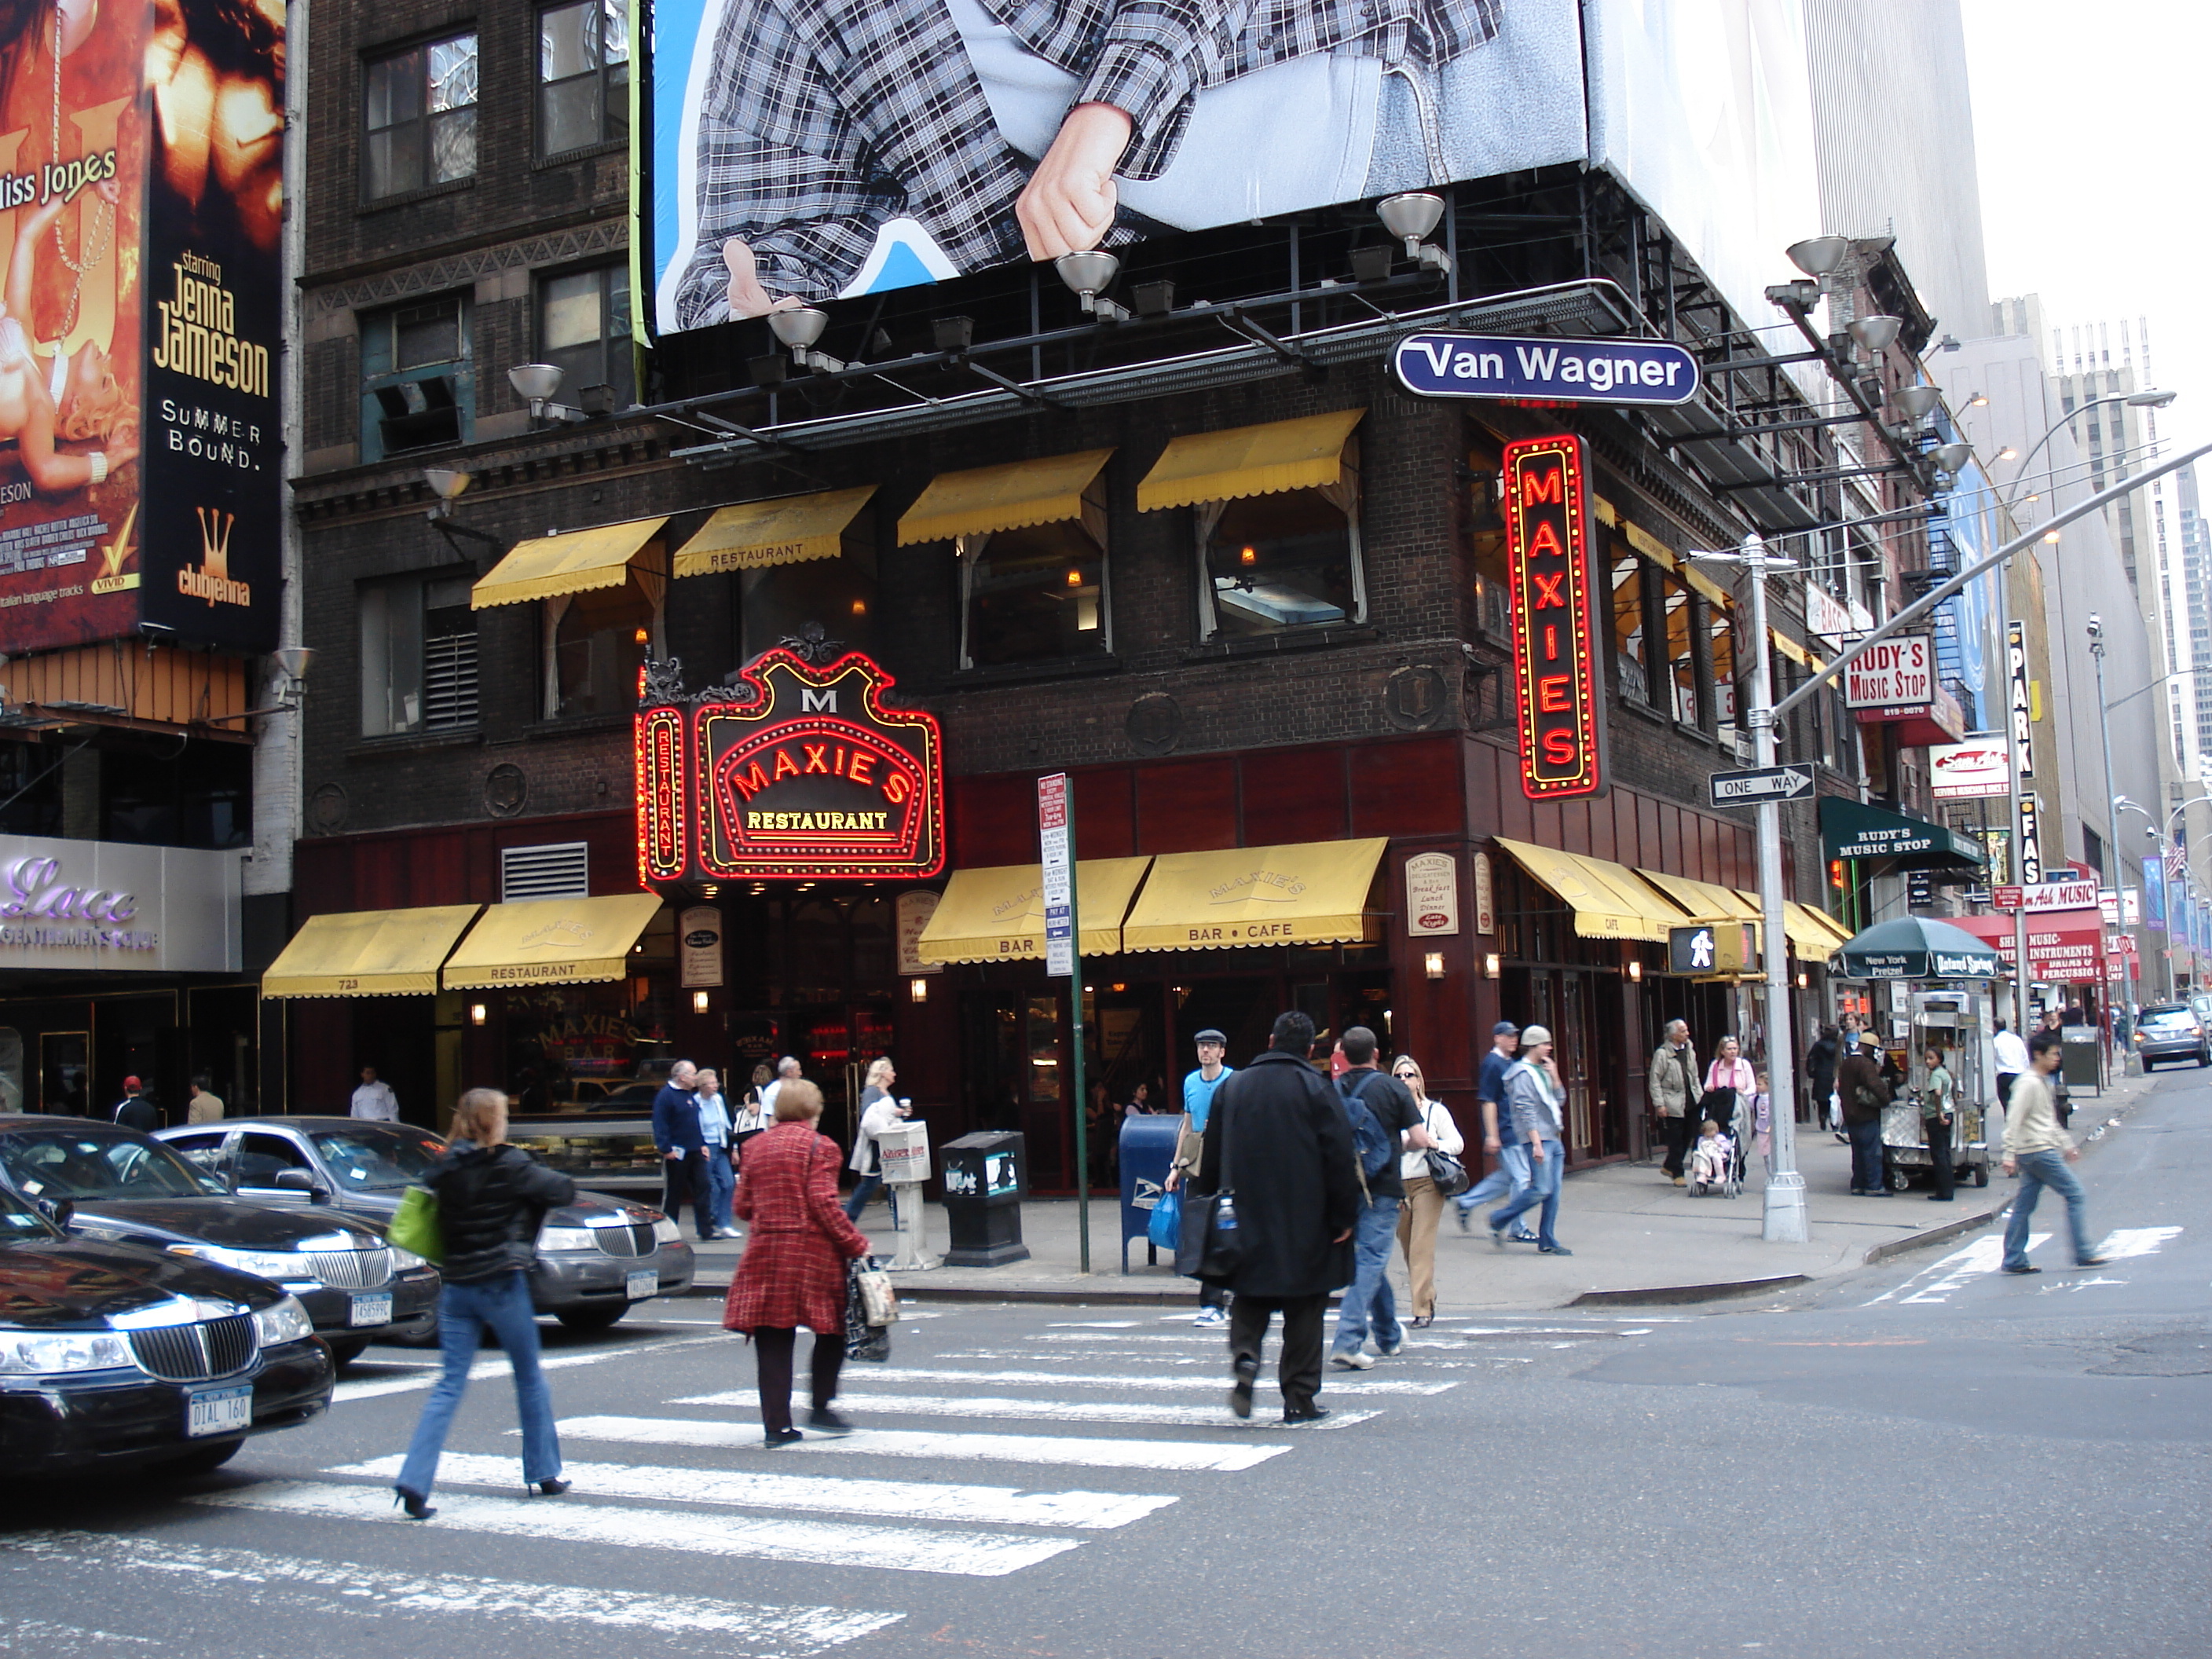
[60,1210]
[299,1181]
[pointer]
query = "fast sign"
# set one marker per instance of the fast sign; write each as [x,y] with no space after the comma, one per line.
[1554,661]
[1645,371]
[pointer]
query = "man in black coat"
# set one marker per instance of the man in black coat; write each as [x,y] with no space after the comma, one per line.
[1290,1163]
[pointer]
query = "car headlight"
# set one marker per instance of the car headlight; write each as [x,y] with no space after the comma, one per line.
[281,1322]
[566,1239]
[262,1264]
[402,1260]
[666,1231]
[23,1354]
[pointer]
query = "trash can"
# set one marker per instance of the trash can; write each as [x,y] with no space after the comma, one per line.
[985,1178]
[1148,1144]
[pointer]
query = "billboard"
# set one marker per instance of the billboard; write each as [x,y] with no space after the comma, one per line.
[140,199]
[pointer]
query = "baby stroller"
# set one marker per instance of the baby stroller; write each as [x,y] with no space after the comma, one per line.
[1714,1168]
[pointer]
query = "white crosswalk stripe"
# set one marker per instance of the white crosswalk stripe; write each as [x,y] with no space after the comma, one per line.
[1211,1381]
[1058,1411]
[2135,1241]
[956,1448]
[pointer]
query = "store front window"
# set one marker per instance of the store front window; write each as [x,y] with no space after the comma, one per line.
[1281,561]
[596,642]
[1036,594]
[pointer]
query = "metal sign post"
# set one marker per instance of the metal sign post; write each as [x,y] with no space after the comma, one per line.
[1063,959]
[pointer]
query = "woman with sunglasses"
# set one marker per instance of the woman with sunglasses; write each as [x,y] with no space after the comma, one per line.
[1423,1205]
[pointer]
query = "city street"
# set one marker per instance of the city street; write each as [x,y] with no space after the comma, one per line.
[1925,1457]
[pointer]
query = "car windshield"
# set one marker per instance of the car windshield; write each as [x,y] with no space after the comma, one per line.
[55,1164]
[371,1160]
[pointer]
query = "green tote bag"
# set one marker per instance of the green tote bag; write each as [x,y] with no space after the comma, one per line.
[415,1226]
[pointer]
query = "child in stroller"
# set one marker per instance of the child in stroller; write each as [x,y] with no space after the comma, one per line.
[1712,1163]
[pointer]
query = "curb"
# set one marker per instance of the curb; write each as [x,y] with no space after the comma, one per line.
[1943,1235]
[1669,1295]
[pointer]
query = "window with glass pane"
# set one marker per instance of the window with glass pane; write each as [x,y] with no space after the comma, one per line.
[583,76]
[420,118]
[1631,637]
[599,641]
[1033,595]
[419,655]
[1681,650]
[418,388]
[583,326]
[839,593]
[1485,528]
[1724,641]
[1289,560]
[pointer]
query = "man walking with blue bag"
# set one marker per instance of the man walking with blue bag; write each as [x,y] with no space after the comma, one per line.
[1385,1123]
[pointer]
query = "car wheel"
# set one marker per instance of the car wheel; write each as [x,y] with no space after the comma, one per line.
[201,1460]
[590,1319]
[1900,1180]
[345,1349]
[1981,1175]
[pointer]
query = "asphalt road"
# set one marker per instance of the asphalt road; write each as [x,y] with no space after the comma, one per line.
[1923,1458]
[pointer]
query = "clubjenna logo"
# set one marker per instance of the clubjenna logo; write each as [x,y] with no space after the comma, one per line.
[210,579]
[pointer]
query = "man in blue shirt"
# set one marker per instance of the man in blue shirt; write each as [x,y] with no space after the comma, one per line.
[1511,1178]
[683,1149]
[1197,1100]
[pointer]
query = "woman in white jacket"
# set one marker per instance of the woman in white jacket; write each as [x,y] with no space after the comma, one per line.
[878,1112]
[1417,1215]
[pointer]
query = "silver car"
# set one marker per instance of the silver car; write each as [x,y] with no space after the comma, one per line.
[597,1257]
[2172,1031]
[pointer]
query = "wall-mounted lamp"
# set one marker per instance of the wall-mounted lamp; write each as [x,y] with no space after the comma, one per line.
[1636,973]
[698,1002]
[1804,981]
[1433,964]
[798,328]
[539,384]
[478,1013]
[1088,275]
[918,989]
[1490,965]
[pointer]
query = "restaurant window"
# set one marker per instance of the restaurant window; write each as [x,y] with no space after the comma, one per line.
[420,118]
[1283,560]
[1680,610]
[1722,634]
[1632,633]
[596,641]
[419,655]
[417,387]
[1486,530]
[583,328]
[839,593]
[583,76]
[1035,594]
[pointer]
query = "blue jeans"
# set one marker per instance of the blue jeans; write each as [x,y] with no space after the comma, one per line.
[1512,1175]
[1870,1161]
[863,1190]
[1370,1302]
[1543,1188]
[721,1185]
[464,1310]
[2036,1171]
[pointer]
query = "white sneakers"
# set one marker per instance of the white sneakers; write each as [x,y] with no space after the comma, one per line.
[1210,1317]
[1358,1361]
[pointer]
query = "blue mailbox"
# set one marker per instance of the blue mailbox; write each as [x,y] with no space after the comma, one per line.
[1148,1144]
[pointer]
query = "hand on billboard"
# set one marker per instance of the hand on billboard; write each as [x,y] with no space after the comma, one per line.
[1068,204]
[747,297]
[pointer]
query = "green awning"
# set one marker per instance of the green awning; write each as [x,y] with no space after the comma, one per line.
[1851,830]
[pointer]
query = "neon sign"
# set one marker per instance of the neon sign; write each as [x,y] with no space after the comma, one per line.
[808,775]
[1554,660]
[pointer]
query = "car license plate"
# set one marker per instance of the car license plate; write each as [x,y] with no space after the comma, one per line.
[374,1310]
[642,1284]
[218,1411]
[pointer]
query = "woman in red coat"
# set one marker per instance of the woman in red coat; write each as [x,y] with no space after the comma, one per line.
[793,1271]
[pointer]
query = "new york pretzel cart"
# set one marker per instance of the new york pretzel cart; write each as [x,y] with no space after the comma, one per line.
[1945,974]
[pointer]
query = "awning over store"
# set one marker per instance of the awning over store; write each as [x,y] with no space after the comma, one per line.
[1704,901]
[1852,830]
[1310,892]
[2064,947]
[1812,936]
[790,530]
[560,941]
[1607,899]
[991,498]
[997,914]
[575,562]
[368,953]
[1307,454]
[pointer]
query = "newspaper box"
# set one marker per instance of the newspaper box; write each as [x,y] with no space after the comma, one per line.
[904,1151]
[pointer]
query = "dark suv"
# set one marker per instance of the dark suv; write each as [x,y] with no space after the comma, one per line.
[2171,1030]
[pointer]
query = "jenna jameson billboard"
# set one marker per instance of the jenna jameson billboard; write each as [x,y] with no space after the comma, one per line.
[141,196]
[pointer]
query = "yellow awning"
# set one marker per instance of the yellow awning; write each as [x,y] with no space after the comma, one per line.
[368,953]
[1814,935]
[1705,901]
[997,915]
[1249,460]
[1010,497]
[790,530]
[559,941]
[1310,892]
[575,562]
[1606,898]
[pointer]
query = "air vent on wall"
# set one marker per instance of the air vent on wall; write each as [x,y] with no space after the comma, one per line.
[559,870]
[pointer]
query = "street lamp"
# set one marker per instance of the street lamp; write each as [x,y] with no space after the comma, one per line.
[2149,397]
[2161,839]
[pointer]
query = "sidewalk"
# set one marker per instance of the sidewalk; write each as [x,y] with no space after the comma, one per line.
[1636,1239]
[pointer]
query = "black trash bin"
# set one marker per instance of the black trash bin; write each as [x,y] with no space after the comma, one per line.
[985,1178]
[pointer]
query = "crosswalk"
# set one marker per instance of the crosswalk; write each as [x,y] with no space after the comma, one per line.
[1014,1464]
[1946,1277]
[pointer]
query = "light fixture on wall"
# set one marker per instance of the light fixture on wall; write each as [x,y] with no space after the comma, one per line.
[539,383]
[698,1002]
[798,329]
[478,1013]
[918,989]
[1088,274]
[1636,973]
[1433,964]
[1804,981]
[1411,216]
[1490,965]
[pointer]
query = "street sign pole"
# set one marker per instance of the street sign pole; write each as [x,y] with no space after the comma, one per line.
[1063,958]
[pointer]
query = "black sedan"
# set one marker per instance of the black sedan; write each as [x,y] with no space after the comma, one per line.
[120,1356]
[597,1258]
[102,1181]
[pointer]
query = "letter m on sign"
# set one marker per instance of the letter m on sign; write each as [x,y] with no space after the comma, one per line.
[1558,679]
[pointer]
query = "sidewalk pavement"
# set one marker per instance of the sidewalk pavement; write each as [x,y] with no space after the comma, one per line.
[1636,1239]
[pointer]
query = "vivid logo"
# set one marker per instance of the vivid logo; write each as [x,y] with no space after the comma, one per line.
[1554,657]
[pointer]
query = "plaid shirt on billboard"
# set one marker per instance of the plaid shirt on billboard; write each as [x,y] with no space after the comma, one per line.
[825,119]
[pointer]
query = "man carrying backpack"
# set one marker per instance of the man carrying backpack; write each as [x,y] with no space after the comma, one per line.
[1385,1122]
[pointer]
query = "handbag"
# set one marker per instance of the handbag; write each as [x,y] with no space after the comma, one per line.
[1445,1172]
[863,1340]
[415,1226]
[1208,1245]
[878,1301]
[1164,1228]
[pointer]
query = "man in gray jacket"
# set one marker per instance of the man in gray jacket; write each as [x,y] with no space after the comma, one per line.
[1672,1081]
[1535,1094]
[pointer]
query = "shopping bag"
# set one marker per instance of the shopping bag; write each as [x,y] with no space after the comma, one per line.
[862,1339]
[1164,1230]
[415,1224]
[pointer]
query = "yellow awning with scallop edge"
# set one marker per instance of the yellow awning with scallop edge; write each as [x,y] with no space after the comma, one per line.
[368,953]
[1307,454]
[1705,901]
[575,562]
[790,530]
[1011,497]
[1814,935]
[1312,892]
[1607,899]
[558,941]
[997,914]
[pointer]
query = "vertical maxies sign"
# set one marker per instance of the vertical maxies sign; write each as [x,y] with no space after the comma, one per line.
[141,201]
[1555,682]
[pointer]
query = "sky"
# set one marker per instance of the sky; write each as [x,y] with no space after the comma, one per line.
[2090,130]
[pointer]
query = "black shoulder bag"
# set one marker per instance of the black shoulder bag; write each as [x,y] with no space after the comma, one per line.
[1209,1247]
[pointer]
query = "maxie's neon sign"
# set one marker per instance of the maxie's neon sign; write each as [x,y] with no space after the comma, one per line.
[1554,657]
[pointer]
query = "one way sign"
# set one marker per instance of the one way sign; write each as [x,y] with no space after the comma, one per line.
[1762,784]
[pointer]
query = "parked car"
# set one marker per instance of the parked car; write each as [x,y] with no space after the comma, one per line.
[597,1258]
[2172,1031]
[122,1355]
[118,1184]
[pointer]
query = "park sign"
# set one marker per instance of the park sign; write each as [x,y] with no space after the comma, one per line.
[1650,372]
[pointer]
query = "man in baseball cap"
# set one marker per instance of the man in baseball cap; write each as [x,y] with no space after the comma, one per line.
[1536,1096]
[135,1111]
[1197,1100]
[1511,1178]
